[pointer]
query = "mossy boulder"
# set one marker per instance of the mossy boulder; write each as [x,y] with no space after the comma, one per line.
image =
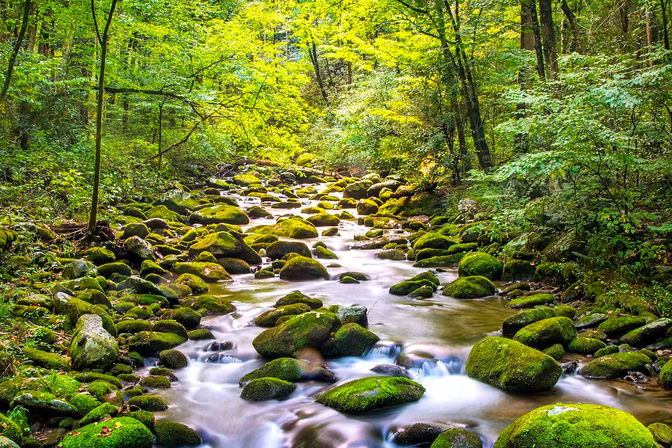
[138,229]
[305,330]
[648,333]
[290,369]
[324,220]
[357,190]
[661,433]
[532,301]
[206,304]
[616,326]
[163,212]
[512,366]
[295,228]
[371,394]
[120,432]
[298,297]
[150,343]
[457,438]
[245,180]
[432,241]
[92,346]
[133,326]
[408,286]
[138,249]
[616,365]
[585,346]
[518,270]
[80,268]
[220,213]
[173,359]
[99,255]
[367,207]
[209,272]
[270,317]
[325,254]
[303,268]
[350,340]
[184,315]
[263,389]
[665,376]
[118,267]
[174,435]
[97,414]
[195,283]
[546,332]
[472,287]
[279,249]
[555,351]
[170,326]
[42,401]
[526,317]
[480,263]
[46,359]
[150,403]
[576,426]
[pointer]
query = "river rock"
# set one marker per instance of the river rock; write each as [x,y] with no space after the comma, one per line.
[303,268]
[576,426]
[647,334]
[457,438]
[120,432]
[139,249]
[546,332]
[473,287]
[220,213]
[304,330]
[349,340]
[92,347]
[171,434]
[616,365]
[661,433]
[512,366]
[279,249]
[532,300]
[480,263]
[290,369]
[263,389]
[43,401]
[514,323]
[617,326]
[298,297]
[371,394]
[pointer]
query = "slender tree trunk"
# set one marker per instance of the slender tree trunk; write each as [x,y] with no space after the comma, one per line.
[548,35]
[577,43]
[160,141]
[16,49]
[531,7]
[624,12]
[312,51]
[666,36]
[103,41]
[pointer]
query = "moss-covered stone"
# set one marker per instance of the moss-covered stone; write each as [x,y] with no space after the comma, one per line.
[565,311]
[220,213]
[472,287]
[532,301]
[150,343]
[518,270]
[269,318]
[279,249]
[133,326]
[195,283]
[170,326]
[408,286]
[290,369]
[512,366]
[120,268]
[263,389]
[575,426]
[304,330]
[210,272]
[480,263]
[43,401]
[120,432]
[440,262]
[555,351]
[174,359]
[665,376]
[46,359]
[648,333]
[608,350]
[303,268]
[10,429]
[526,317]
[457,438]
[298,297]
[184,315]
[155,382]
[151,267]
[661,433]
[546,332]
[371,394]
[350,340]
[616,326]
[616,365]
[585,346]
[92,346]
[175,435]
[151,403]
[201,334]
[99,255]
[324,219]
[99,413]
[210,304]
[295,228]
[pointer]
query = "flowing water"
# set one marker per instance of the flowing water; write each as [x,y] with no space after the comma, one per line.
[434,335]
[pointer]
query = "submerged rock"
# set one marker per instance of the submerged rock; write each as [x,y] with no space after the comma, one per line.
[512,366]
[303,268]
[371,394]
[576,426]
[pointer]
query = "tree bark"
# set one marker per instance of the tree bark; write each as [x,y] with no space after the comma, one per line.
[548,35]
[16,49]
[577,42]
[531,7]
[666,36]
[103,41]
[312,51]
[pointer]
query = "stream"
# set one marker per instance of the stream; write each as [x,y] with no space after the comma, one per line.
[433,336]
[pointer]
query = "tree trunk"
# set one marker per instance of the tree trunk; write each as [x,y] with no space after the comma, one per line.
[624,12]
[548,35]
[666,36]
[103,40]
[577,43]
[16,49]
[312,51]
[531,7]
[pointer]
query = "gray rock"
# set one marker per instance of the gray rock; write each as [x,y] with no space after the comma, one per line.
[92,346]
[139,248]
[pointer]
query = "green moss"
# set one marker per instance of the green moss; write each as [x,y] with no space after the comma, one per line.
[585,346]
[304,330]
[532,301]
[46,359]
[220,213]
[555,351]
[150,343]
[289,369]
[350,340]
[565,311]
[518,270]
[526,317]
[210,272]
[262,389]
[439,262]
[144,417]
[195,283]
[210,305]
[325,254]
[512,366]
[269,318]
[133,326]
[303,268]
[575,426]
[546,332]
[162,212]
[155,382]
[10,429]
[120,432]
[186,316]
[617,326]
[174,359]
[661,433]
[457,438]
[279,249]
[171,434]
[616,365]
[324,219]
[219,244]
[298,297]
[371,394]
[470,288]
[89,377]
[245,180]
[151,403]
[290,228]
[97,414]
[408,286]
[101,389]
[201,334]
[480,263]
[611,349]
[648,333]
[84,403]
[665,376]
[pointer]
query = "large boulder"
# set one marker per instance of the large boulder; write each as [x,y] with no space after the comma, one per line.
[357,190]
[350,340]
[92,347]
[546,332]
[647,334]
[512,366]
[371,394]
[480,263]
[473,287]
[138,249]
[120,432]
[302,331]
[303,268]
[616,365]
[576,426]
[514,323]
[220,214]
[223,245]
[279,249]
[263,389]
[290,369]
[457,438]
[209,272]
[296,228]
